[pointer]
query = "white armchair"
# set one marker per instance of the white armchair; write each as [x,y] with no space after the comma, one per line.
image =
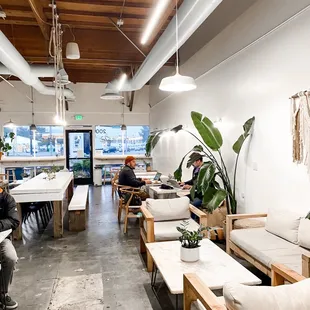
[160,217]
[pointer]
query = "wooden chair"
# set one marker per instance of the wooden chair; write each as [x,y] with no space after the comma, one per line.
[130,211]
[4,181]
[147,232]
[195,289]
[114,183]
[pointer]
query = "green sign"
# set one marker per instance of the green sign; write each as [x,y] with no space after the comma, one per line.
[78,117]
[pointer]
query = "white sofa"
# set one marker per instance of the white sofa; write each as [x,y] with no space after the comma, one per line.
[285,239]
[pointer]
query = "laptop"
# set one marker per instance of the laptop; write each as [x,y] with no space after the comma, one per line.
[157,176]
[174,183]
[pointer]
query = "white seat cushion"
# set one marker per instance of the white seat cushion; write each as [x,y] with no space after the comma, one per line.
[268,248]
[79,199]
[285,297]
[167,231]
[197,305]
[283,223]
[304,233]
[169,209]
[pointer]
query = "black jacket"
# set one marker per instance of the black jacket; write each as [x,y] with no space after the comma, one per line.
[127,177]
[8,212]
[194,176]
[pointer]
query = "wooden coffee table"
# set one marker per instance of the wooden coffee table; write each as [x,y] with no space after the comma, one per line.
[215,267]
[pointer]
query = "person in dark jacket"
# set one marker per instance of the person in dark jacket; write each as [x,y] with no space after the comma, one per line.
[127,176]
[197,202]
[8,220]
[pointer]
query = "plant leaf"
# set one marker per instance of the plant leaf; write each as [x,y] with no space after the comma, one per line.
[178,173]
[209,133]
[205,176]
[177,128]
[148,146]
[246,128]
[214,198]
[193,191]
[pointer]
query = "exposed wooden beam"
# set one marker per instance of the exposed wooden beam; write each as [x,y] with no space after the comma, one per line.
[40,17]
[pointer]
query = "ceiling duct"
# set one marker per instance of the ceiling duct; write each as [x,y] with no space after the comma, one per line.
[19,67]
[191,14]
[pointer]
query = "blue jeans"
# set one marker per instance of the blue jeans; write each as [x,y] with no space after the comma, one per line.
[197,203]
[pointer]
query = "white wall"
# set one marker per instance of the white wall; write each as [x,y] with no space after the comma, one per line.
[256,81]
[15,105]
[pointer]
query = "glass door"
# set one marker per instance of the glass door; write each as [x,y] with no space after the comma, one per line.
[79,155]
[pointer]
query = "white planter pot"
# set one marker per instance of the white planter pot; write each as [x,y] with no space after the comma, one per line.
[189,255]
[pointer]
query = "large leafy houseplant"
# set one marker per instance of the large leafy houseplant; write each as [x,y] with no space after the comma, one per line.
[213,180]
[5,146]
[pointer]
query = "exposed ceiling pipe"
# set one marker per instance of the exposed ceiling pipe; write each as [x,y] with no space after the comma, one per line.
[18,66]
[37,70]
[191,14]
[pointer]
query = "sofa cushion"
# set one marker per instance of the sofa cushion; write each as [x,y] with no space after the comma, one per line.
[169,209]
[268,248]
[197,305]
[304,233]
[285,297]
[167,230]
[283,223]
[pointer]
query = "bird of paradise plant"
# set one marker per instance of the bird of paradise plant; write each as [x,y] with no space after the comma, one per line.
[213,180]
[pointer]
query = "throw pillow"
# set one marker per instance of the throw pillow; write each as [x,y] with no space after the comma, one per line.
[285,297]
[304,233]
[283,223]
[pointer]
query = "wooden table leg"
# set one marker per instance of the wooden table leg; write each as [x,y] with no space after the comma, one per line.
[58,219]
[70,191]
[17,234]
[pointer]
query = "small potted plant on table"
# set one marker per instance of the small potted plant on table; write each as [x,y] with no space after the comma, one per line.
[190,242]
[147,166]
[4,146]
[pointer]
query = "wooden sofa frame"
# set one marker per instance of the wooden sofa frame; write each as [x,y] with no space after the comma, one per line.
[231,247]
[148,236]
[195,289]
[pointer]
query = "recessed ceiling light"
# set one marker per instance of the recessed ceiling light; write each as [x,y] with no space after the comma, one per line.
[154,19]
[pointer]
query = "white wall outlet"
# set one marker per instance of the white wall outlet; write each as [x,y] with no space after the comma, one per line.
[242,195]
[255,166]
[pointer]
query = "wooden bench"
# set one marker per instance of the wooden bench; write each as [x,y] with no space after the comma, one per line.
[78,209]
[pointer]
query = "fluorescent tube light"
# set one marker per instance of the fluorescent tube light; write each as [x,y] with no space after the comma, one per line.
[154,19]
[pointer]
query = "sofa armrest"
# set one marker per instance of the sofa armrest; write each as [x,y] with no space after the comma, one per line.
[197,211]
[280,273]
[195,289]
[306,265]
[146,214]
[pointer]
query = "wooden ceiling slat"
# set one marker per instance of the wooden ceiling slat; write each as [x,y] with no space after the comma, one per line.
[40,17]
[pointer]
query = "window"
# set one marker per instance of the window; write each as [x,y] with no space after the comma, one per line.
[111,140]
[46,141]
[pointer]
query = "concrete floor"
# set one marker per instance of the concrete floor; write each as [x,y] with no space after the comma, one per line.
[100,268]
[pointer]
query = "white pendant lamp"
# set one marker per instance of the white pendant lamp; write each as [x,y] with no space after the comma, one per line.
[72,51]
[177,82]
[9,124]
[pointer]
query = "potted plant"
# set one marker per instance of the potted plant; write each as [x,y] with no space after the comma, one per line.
[213,181]
[5,147]
[190,242]
[50,172]
[147,166]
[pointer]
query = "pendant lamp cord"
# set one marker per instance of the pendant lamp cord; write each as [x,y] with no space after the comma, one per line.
[31,90]
[177,36]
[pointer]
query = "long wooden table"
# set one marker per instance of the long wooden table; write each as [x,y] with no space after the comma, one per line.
[41,189]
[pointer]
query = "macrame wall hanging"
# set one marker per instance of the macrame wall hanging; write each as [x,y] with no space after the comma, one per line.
[301,128]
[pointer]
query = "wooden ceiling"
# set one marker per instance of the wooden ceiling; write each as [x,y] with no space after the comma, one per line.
[105,51]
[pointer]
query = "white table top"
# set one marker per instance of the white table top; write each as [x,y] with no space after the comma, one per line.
[214,268]
[41,189]
[183,192]
[4,234]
